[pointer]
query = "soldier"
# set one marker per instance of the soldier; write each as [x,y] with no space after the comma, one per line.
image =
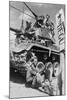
[48,78]
[50,25]
[57,80]
[54,84]
[40,76]
[31,69]
[39,22]
[34,73]
[47,21]
[49,71]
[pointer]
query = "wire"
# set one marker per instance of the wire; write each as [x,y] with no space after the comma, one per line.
[30,9]
[21,11]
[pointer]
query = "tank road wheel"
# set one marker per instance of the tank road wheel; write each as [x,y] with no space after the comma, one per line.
[49,70]
[56,68]
[40,67]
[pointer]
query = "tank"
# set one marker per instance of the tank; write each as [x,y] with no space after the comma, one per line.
[44,51]
[42,46]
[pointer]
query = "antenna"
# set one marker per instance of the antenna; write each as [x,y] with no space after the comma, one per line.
[30,10]
[21,11]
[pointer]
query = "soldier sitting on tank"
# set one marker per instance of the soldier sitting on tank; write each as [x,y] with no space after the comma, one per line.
[43,77]
[34,74]
[48,78]
[57,80]
[39,22]
[31,69]
[40,76]
[49,71]
[47,21]
[53,81]
[49,25]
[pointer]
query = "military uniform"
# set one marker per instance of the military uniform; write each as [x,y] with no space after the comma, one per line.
[53,86]
[30,72]
[34,74]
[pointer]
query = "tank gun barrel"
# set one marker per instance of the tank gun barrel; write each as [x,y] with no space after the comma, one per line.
[19,33]
[31,10]
[15,30]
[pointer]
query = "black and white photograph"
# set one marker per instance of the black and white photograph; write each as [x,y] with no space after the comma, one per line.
[36,49]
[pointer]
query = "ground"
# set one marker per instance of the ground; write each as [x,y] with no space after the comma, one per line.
[18,88]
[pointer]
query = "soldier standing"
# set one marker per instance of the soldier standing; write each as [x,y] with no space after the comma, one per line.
[31,69]
[34,74]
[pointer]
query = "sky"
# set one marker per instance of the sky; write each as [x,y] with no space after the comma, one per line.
[38,9]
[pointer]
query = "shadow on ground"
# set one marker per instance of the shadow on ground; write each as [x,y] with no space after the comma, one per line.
[16,77]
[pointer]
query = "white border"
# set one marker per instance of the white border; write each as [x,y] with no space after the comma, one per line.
[4,49]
